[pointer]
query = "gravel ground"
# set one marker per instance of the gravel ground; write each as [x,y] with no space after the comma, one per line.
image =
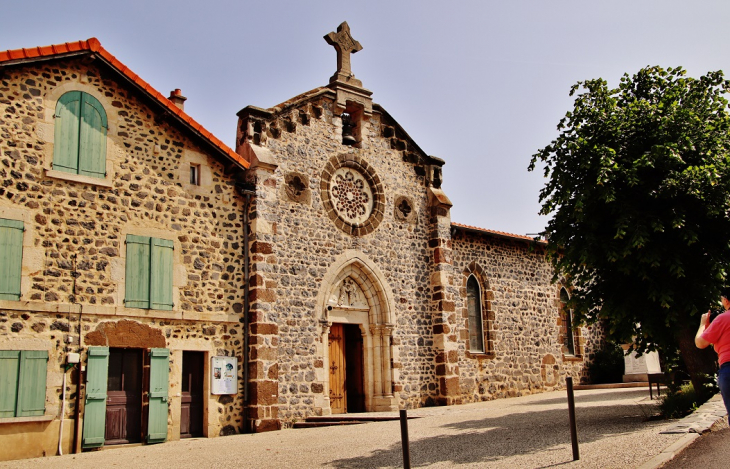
[524,432]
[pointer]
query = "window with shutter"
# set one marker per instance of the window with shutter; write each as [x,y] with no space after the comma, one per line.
[149,272]
[23,383]
[79,144]
[11,258]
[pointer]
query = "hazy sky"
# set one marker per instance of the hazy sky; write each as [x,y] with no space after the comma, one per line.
[480,84]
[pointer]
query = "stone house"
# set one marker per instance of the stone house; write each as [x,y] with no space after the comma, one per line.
[156,284]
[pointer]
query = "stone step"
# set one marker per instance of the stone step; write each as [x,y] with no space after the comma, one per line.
[329,423]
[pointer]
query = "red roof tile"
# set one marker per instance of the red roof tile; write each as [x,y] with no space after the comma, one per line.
[501,234]
[93,45]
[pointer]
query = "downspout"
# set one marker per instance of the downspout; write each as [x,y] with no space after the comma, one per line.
[247,190]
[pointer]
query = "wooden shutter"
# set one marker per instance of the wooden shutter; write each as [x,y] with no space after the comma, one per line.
[92,138]
[9,366]
[66,136]
[161,268]
[32,383]
[95,409]
[11,258]
[159,376]
[137,293]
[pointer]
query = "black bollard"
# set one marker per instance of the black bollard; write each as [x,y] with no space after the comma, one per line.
[571,412]
[404,439]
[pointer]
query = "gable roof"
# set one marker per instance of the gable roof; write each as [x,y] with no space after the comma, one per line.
[497,234]
[93,46]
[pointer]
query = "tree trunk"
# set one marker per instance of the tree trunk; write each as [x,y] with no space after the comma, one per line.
[700,363]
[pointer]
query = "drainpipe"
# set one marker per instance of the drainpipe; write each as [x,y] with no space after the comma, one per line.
[247,190]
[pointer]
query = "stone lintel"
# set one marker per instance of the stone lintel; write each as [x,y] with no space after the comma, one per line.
[355,94]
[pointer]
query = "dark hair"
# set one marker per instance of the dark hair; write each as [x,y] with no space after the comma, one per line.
[725,292]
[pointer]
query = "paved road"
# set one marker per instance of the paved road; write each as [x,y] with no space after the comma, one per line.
[523,432]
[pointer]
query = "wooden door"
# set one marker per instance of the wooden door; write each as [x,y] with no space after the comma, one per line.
[338,397]
[124,397]
[191,408]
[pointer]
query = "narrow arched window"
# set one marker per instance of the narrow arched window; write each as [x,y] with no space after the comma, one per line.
[474,307]
[567,329]
[79,142]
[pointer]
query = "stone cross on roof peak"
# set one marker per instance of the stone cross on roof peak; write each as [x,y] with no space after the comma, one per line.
[345,45]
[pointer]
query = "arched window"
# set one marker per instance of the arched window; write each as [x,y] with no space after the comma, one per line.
[474,306]
[567,329]
[79,143]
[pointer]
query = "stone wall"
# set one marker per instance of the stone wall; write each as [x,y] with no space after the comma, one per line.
[74,243]
[525,353]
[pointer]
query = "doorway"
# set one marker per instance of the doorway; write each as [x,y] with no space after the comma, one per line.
[124,397]
[346,369]
[191,400]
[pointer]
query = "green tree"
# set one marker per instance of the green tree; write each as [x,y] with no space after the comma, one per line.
[639,192]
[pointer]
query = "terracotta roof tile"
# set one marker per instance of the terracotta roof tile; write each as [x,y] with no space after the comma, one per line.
[93,45]
[502,234]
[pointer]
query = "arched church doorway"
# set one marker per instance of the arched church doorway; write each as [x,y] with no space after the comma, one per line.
[357,336]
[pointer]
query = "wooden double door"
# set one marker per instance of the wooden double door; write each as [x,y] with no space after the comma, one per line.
[346,369]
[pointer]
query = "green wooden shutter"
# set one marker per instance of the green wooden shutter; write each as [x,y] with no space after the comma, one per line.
[161,268]
[11,258]
[92,138]
[32,383]
[159,375]
[137,290]
[9,366]
[66,136]
[97,370]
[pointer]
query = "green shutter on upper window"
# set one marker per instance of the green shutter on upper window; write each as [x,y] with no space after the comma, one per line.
[137,292]
[32,383]
[9,366]
[66,136]
[11,258]
[92,138]
[161,274]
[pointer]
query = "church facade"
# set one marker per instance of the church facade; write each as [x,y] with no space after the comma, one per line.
[157,284]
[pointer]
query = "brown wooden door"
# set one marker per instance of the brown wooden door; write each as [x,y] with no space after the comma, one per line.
[191,400]
[338,398]
[124,397]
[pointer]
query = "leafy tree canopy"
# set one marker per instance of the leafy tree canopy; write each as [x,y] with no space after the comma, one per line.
[638,186]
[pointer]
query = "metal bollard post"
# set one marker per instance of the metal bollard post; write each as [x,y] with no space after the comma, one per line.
[571,412]
[404,439]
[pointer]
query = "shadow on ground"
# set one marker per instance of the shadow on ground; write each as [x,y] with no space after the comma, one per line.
[491,439]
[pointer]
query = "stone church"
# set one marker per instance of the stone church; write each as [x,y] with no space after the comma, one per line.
[157,284]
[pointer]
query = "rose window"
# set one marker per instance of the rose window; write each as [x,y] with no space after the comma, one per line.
[352,197]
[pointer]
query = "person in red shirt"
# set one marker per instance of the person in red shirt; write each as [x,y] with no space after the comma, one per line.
[717,333]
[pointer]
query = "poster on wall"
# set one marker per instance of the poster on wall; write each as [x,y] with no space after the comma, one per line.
[224,375]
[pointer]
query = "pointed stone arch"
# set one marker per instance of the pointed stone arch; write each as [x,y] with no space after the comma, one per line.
[487,296]
[355,292]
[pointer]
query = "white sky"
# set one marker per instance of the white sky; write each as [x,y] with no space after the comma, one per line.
[480,84]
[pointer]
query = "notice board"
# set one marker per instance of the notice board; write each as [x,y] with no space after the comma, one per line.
[224,372]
